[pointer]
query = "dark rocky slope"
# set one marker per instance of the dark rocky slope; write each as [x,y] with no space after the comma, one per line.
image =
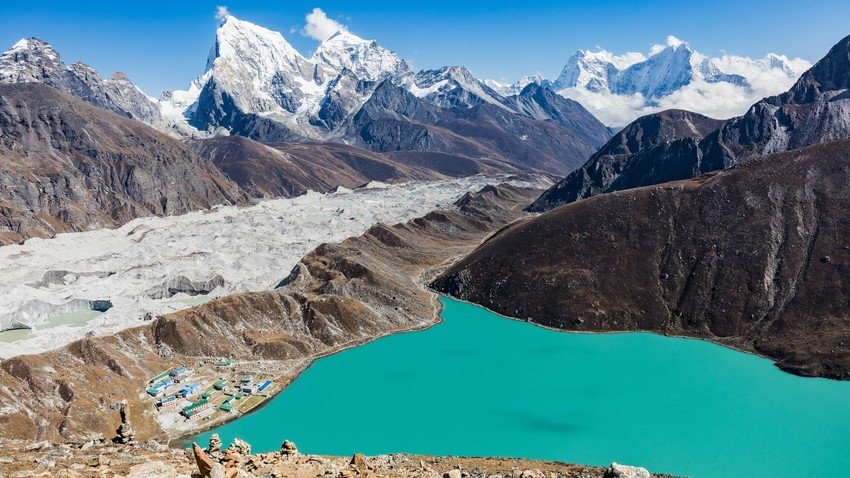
[815,110]
[338,296]
[393,119]
[623,150]
[66,165]
[291,169]
[755,257]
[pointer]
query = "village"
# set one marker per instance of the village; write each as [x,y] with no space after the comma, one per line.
[209,392]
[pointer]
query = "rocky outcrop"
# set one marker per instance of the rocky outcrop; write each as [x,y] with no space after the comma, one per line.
[342,294]
[184,285]
[541,103]
[623,151]
[753,257]
[68,166]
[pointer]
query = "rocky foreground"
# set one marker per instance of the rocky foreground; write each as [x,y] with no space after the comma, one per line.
[153,460]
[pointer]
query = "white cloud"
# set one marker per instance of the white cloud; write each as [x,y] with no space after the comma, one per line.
[221,12]
[671,41]
[716,100]
[320,27]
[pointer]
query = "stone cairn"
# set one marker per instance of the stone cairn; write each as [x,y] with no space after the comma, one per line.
[214,449]
[125,432]
[288,450]
[215,463]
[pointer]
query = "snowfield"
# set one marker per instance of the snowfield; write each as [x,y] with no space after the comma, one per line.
[139,266]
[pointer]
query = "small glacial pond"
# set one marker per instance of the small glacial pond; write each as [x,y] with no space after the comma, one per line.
[478,384]
[72,319]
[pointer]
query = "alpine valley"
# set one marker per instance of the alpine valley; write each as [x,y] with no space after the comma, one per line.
[169,265]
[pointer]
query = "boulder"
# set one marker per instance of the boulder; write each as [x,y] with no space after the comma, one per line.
[359,462]
[205,463]
[152,469]
[533,473]
[623,471]
[217,471]
[453,474]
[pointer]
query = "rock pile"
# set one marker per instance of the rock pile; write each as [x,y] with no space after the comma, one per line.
[124,432]
[214,448]
[288,450]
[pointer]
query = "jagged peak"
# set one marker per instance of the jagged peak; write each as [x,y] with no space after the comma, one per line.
[530,89]
[366,58]
[28,60]
[457,73]
[235,38]
[671,44]
[345,36]
[32,44]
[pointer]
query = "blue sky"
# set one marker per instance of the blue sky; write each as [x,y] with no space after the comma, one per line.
[163,45]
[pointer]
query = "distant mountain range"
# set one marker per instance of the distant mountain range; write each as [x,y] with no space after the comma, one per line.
[256,81]
[619,88]
[258,86]
[396,124]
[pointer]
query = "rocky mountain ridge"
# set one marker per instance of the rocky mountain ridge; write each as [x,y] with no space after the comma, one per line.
[31,60]
[750,257]
[291,169]
[69,166]
[601,173]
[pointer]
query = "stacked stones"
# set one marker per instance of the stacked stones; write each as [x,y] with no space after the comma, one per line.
[124,432]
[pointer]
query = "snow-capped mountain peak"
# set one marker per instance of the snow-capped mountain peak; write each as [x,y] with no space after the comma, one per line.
[264,48]
[592,70]
[453,87]
[250,54]
[619,88]
[506,89]
[31,60]
[366,59]
[662,73]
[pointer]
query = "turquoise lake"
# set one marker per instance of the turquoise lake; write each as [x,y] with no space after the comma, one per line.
[482,385]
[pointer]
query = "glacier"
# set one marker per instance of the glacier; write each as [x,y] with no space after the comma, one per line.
[154,265]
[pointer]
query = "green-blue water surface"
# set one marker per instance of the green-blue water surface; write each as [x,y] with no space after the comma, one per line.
[479,384]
